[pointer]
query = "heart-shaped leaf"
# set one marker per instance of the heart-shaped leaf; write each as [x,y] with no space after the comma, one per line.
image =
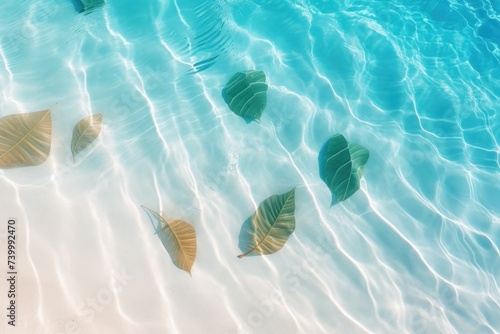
[268,229]
[341,166]
[246,94]
[178,238]
[25,139]
[85,132]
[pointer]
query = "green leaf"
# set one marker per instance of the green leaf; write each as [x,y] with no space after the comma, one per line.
[341,166]
[85,132]
[92,4]
[178,238]
[267,231]
[25,139]
[246,94]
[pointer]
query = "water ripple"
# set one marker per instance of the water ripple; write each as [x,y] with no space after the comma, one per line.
[416,250]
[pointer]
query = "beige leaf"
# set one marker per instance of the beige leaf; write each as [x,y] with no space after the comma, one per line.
[85,132]
[267,231]
[178,238]
[25,139]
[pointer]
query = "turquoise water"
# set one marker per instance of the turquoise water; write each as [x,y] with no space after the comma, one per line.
[415,250]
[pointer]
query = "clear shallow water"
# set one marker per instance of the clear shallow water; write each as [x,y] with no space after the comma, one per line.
[415,250]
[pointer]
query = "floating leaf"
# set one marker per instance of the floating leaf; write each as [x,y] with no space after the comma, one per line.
[25,139]
[246,94]
[341,166]
[89,5]
[178,238]
[85,132]
[267,231]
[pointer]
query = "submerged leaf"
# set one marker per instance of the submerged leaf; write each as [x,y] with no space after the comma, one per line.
[178,238]
[270,226]
[89,5]
[246,94]
[85,132]
[341,166]
[25,139]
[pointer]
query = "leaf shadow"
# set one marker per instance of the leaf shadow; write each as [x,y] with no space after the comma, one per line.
[78,5]
[246,236]
[87,6]
[322,172]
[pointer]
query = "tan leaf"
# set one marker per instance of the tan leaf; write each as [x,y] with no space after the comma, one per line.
[178,238]
[25,139]
[85,132]
[267,231]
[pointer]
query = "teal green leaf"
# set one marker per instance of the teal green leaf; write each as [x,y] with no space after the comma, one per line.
[246,94]
[85,132]
[25,139]
[89,5]
[179,239]
[267,231]
[341,166]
